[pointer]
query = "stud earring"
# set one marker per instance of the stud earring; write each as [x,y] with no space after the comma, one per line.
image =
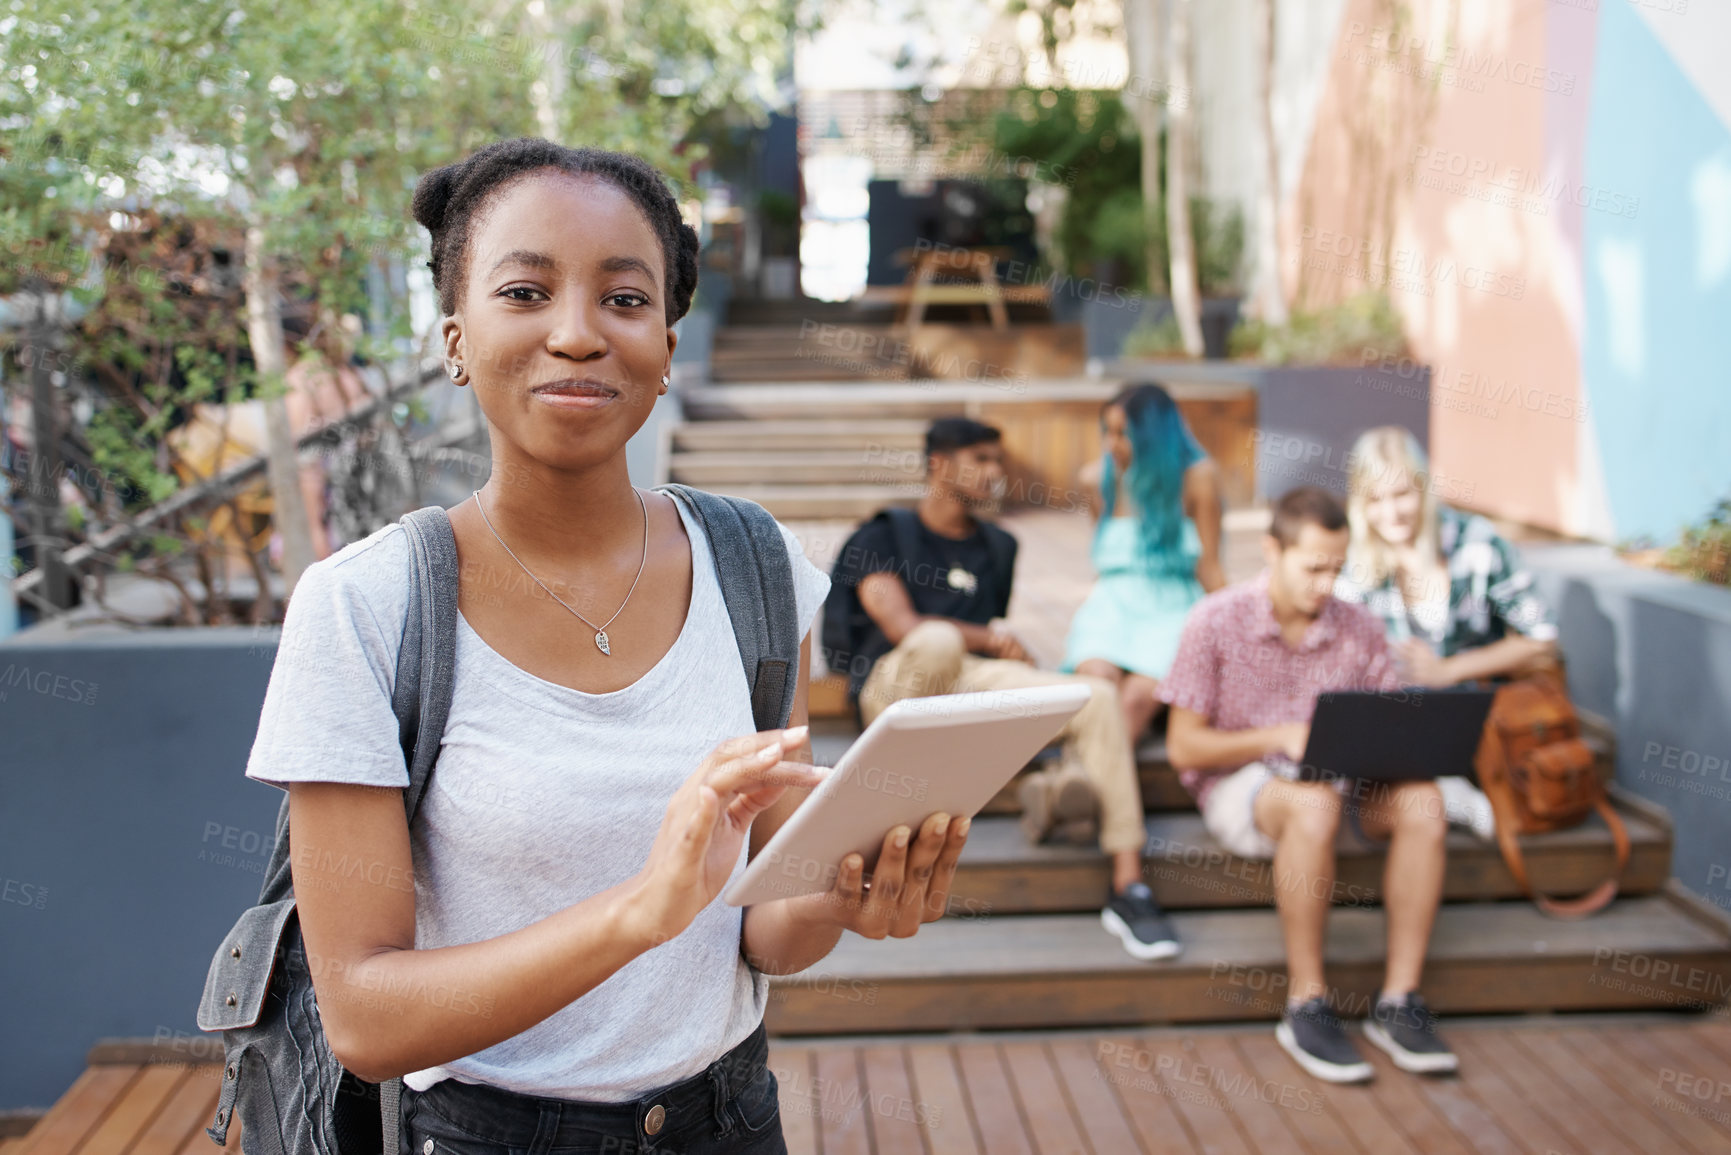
[456,372]
[664,380]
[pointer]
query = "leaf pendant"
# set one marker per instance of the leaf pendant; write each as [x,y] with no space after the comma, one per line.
[601,642]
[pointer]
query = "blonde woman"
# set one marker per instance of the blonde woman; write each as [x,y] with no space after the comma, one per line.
[1451,592]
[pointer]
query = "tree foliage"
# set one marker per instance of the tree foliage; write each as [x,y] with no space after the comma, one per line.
[129,128]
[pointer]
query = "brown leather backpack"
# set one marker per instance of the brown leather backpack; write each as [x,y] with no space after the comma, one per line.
[1539,776]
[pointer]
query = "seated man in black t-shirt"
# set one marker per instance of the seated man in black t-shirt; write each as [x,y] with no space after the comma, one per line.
[916,608]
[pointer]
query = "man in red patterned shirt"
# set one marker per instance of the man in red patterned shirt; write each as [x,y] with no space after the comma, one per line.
[1252,659]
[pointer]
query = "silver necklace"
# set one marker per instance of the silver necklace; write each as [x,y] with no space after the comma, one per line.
[600,630]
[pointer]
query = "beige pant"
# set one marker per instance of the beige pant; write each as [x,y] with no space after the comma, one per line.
[932,659]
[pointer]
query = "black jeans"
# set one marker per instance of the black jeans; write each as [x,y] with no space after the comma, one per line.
[730,1108]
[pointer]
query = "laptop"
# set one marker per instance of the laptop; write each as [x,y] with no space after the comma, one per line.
[1405,735]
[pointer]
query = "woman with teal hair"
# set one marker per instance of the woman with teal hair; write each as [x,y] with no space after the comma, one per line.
[1156,548]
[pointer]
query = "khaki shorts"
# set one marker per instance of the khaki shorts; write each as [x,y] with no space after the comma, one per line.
[1230,815]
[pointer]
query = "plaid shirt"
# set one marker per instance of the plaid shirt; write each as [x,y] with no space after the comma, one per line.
[1235,669]
[1490,595]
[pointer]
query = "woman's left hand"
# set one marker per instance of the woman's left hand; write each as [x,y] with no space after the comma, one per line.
[909,886]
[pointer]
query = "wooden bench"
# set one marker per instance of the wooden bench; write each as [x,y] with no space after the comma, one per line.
[135,1098]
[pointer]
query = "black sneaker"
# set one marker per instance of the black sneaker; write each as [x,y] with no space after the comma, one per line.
[1139,923]
[1311,1033]
[1407,1031]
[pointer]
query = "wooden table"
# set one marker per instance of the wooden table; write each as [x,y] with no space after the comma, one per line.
[920,289]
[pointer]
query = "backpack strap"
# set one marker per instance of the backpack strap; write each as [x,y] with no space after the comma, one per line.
[421,696]
[903,523]
[751,563]
[421,693]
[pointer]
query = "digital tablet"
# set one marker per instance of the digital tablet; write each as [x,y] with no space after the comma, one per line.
[951,752]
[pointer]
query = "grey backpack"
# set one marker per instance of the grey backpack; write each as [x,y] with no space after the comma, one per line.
[280,1081]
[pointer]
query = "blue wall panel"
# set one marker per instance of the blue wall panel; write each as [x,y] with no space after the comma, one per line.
[1656,349]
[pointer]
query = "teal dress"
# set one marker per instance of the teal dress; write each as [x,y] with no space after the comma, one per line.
[1132,618]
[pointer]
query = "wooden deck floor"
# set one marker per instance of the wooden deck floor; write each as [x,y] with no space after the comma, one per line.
[1527,1087]
[1536,1088]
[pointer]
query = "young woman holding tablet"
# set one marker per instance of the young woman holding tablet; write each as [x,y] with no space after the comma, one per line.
[542,956]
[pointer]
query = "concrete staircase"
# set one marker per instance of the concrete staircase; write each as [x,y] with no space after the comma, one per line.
[798,467]
[1023,946]
[808,409]
[815,449]
[803,340]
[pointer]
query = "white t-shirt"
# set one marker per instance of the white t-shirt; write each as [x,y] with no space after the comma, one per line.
[543,796]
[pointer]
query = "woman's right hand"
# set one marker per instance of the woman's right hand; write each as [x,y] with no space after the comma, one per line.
[705,827]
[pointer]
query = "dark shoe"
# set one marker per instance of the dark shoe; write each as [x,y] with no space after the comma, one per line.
[1407,1031]
[1052,797]
[1311,1033]
[1140,924]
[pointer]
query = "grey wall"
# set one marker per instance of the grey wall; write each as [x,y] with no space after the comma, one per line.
[1652,652]
[130,838]
[1308,418]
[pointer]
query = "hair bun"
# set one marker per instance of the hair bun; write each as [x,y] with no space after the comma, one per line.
[433,196]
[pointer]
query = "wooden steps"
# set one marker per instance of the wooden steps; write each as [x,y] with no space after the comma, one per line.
[810,447]
[871,466]
[875,400]
[807,436]
[809,350]
[758,312]
[852,502]
[1161,789]
[819,446]
[1050,970]
[821,468]
[1003,874]
[1023,947]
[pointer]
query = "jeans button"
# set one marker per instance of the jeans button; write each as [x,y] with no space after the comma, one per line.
[654,1120]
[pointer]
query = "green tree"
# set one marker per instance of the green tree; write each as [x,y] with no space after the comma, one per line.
[304,129]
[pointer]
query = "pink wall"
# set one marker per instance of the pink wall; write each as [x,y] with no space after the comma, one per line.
[1440,168]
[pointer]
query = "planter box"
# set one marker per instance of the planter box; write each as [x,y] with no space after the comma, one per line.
[1652,652]
[1109,313]
[130,838]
